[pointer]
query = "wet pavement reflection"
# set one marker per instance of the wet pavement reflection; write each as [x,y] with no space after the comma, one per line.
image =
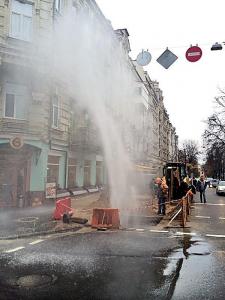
[121,265]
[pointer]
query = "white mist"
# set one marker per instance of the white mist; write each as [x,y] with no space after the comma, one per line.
[94,67]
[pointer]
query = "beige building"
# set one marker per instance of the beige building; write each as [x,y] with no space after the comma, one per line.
[40,142]
[45,136]
[159,142]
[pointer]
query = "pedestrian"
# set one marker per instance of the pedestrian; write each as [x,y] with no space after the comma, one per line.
[176,185]
[162,195]
[201,187]
[193,185]
[183,188]
[194,182]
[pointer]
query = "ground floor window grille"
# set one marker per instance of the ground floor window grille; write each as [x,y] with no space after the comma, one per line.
[87,173]
[53,169]
[72,171]
[99,173]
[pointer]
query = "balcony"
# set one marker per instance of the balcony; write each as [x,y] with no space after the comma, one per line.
[8,125]
[16,51]
[86,139]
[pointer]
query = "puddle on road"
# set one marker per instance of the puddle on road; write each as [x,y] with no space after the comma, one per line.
[192,247]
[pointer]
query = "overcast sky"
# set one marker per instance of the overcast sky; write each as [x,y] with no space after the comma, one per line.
[188,88]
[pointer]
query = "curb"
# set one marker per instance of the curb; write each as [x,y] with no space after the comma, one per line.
[15,237]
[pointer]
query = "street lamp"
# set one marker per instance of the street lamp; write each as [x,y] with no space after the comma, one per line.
[216,46]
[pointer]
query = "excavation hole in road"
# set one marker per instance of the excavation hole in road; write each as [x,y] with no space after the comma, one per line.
[35,280]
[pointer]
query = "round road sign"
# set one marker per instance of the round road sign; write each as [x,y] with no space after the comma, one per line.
[193,54]
[143,58]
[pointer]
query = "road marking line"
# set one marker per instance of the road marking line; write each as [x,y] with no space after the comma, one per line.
[216,235]
[203,217]
[163,231]
[36,242]
[185,233]
[219,204]
[14,249]
[221,218]
[141,230]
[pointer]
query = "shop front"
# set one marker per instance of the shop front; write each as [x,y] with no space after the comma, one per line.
[15,170]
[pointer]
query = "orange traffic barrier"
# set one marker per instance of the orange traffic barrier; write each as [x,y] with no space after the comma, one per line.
[62,206]
[105,217]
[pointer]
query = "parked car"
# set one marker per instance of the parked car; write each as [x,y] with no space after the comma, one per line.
[220,189]
[215,182]
[209,181]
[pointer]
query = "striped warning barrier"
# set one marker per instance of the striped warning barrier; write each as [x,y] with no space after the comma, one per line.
[105,218]
[62,206]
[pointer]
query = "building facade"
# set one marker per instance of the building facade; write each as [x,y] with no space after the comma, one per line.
[159,142]
[45,136]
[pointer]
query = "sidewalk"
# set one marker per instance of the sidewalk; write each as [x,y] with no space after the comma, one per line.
[22,222]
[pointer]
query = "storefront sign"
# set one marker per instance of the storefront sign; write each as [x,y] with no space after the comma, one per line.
[50,190]
[17,142]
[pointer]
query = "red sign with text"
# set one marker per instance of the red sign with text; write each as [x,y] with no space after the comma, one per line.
[193,54]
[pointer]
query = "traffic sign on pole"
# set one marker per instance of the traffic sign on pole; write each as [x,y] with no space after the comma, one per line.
[194,53]
[167,58]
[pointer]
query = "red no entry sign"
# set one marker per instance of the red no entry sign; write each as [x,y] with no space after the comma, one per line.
[193,54]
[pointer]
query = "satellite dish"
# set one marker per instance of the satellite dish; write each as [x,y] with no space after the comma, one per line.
[143,58]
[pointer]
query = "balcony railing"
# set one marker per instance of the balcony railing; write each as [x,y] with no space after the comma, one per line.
[86,138]
[13,125]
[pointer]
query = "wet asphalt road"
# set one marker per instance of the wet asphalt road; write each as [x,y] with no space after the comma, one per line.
[138,264]
[16,222]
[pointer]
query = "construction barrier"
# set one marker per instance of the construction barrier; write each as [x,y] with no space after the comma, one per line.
[183,209]
[105,218]
[62,206]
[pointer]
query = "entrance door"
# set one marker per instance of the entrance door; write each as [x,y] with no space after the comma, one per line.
[98,173]
[87,173]
[7,192]
[14,175]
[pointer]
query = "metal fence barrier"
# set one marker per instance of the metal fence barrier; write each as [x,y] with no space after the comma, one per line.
[182,209]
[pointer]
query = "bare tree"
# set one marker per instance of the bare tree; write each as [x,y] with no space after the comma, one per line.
[214,139]
[215,132]
[189,155]
[215,162]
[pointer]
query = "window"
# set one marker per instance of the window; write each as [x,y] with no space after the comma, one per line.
[21,21]
[74,7]
[72,169]
[59,6]
[10,106]
[53,169]
[99,170]
[87,173]
[55,112]
[16,101]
